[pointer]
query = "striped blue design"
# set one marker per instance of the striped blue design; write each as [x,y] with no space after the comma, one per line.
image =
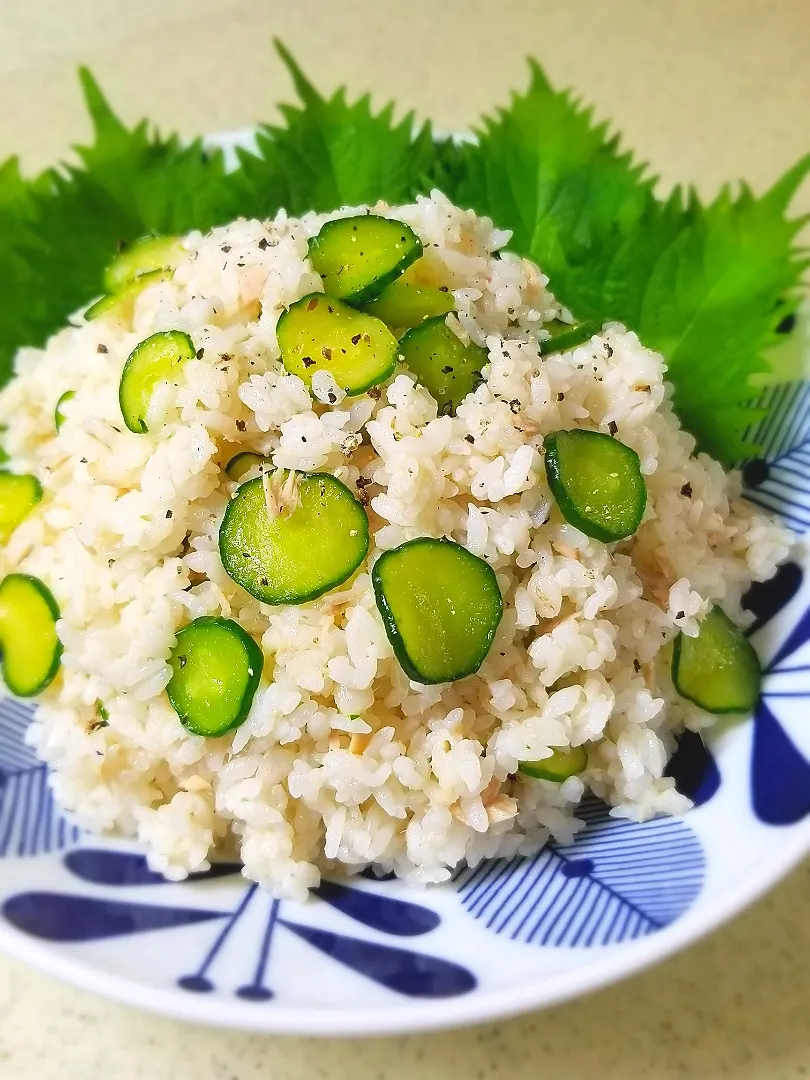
[779,481]
[30,823]
[618,881]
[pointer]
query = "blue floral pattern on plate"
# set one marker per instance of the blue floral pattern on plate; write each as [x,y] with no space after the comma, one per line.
[617,885]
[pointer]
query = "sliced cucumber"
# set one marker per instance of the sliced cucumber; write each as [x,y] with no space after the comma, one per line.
[358,256]
[120,304]
[719,669]
[31,648]
[19,494]
[155,360]
[59,412]
[317,333]
[404,304]
[243,462]
[558,767]
[597,483]
[440,605]
[447,368]
[565,336]
[312,537]
[143,257]
[216,668]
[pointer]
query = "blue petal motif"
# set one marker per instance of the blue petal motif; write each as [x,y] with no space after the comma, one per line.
[410,973]
[30,823]
[765,599]
[384,913]
[65,918]
[618,881]
[780,777]
[694,769]
[779,481]
[100,867]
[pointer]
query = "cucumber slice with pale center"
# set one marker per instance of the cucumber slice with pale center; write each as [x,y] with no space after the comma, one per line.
[719,669]
[558,767]
[19,494]
[287,539]
[59,412]
[146,255]
[318,333]
[596,481]
[241,463]
[404,304]
[155,360]
[447,368]
[440,606]
[216,667]
[31,648]
[358,256]
[120,304]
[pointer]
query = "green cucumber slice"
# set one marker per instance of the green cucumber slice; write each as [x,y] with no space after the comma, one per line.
[315,539]
[216,668]
[596,481]
[447,368]
[318,333]
[358,256]
[156,359]
[119,305]
[719,669]
[440,605]
[404,304]
[243,462]
[19,494]
[59,412]
[143,257]
[31,648]
[565,336]
[558,767]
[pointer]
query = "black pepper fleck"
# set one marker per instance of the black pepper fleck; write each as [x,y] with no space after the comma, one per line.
[514,405]
[374,393]
[447,370]
[102,348]
[680,615]
[326,352]
[469,438]
[613,427]
[355,339]
[169,513]
[560,397]
[636,666]
[263,244]
[686,491]
[200,353]
[240,425]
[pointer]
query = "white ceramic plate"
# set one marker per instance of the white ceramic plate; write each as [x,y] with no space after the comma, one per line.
[374,957]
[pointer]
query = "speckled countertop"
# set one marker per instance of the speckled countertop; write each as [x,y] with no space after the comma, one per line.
[704,89]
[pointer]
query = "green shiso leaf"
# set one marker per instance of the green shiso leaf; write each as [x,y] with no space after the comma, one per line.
[704,285]
[331,153]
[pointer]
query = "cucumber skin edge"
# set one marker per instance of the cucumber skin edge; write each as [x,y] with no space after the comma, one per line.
[393,635]
[255,660]
[53,607]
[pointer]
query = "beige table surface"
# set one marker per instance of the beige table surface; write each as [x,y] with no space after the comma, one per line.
[706,91]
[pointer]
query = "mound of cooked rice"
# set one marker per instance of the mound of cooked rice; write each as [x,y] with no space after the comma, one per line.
[342,761]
